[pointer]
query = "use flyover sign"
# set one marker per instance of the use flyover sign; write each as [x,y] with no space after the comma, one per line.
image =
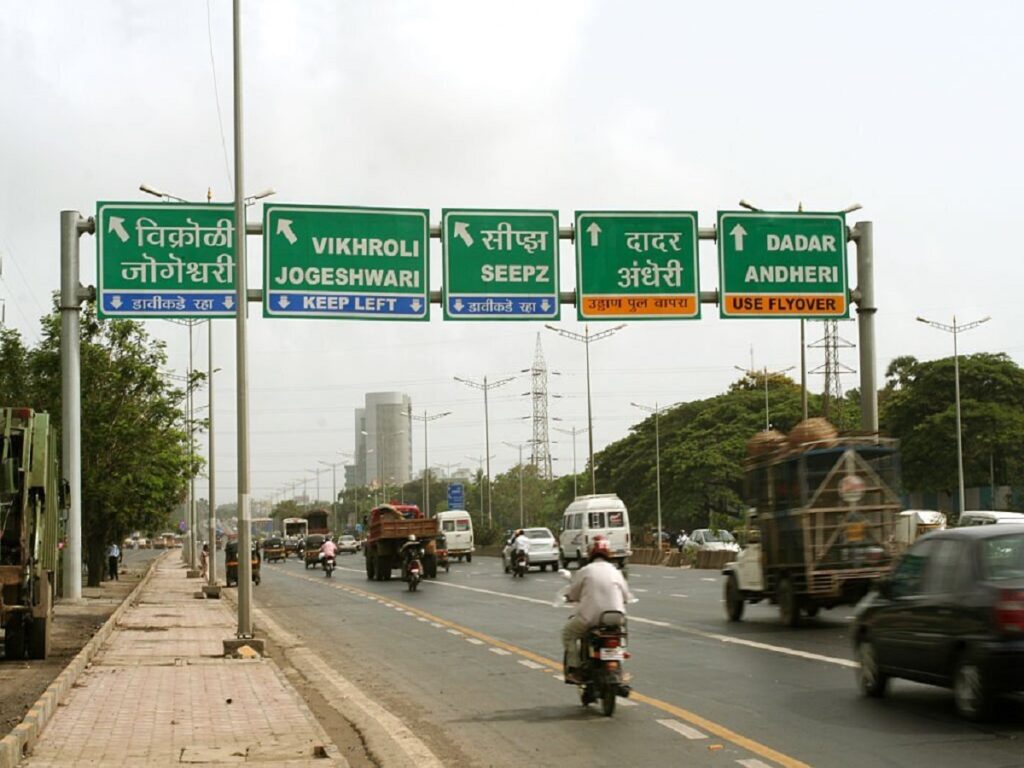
[782,265]
[166,260]
[636,265]
[356,263]
[500,265]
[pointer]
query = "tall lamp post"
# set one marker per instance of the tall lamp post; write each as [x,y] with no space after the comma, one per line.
[956,328]
[753,373]
[486,387]
[426,419]
[334,488]
[657,453]
[519,446]
[574,431]
[586,338]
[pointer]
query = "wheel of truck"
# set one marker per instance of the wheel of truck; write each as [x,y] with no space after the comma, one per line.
[811,610]
[469,558]
[370,565]
[733,599]
[14,639]
[378,568]
[789,609]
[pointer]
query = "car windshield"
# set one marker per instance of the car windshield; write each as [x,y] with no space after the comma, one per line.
[723,536]
[1002,557]
[538,533]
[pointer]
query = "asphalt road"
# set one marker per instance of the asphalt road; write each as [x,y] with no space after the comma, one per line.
[471,661]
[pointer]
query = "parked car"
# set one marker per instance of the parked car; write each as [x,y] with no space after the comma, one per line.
[347,544]
[950,614]
[711,541]
[543,549]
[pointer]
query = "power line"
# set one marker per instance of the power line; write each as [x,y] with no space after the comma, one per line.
[216,96]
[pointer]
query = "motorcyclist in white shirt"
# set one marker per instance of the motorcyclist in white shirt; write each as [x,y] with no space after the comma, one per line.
[597,587]
[519,543]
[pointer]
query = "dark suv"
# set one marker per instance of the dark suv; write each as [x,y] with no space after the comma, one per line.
[950,614]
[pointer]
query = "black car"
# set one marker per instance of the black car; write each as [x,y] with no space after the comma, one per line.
[950,614]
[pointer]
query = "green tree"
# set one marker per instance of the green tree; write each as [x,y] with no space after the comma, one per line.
[918,406]
[135,457]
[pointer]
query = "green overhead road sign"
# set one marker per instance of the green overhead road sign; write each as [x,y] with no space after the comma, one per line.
[782,265]
[500,265]
[165,260]
[367,263]
[637,265]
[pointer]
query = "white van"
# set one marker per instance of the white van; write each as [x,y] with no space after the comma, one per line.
[588,516]
[988,517]
[457,527]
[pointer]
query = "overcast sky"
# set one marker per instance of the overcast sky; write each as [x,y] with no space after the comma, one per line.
[913,110]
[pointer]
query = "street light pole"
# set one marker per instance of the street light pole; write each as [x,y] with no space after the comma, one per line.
[954,329]
[572,432]
[657,454]
[753,372]
[586,338]
[522,518]
[334,488]
[486,387]
[426,419]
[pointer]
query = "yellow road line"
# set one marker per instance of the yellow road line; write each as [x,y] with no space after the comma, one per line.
[693,718]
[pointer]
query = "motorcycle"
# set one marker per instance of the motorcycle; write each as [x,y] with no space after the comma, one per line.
[328,566]
[601,674]
[520,562]
[413,566]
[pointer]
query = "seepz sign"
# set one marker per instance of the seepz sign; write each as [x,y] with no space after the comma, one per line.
[782,265]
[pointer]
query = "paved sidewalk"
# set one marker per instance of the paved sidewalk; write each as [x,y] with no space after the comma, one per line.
[160,692]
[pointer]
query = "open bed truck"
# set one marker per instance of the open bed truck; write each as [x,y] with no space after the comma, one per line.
[391,525]
[821,526]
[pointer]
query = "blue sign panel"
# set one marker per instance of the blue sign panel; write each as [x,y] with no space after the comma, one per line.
[456,496]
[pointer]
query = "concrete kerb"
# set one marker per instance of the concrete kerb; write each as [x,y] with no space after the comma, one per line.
[388,740]
[19,742]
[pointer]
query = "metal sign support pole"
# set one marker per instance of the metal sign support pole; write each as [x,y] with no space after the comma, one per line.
[866,309]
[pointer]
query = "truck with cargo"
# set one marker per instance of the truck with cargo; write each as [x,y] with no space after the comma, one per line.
[390,526]
[822,520]
[30,493]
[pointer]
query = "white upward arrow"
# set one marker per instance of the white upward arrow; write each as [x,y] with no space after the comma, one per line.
[116,302]
[462,230]
[284,227]
[283,302]
[117,227]
[229,302]
[738,233]
[593,230]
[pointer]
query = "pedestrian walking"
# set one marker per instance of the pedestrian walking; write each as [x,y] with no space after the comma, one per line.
[204,560]
[113,557]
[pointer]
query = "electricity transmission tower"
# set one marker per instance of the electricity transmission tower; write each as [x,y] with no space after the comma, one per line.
[832,368]
[540,456]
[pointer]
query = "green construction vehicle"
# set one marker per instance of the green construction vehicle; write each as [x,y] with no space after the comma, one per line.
[29,504]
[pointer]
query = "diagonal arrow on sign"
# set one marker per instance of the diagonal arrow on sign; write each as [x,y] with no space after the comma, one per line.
[284,227]
[117,227]
[462,230]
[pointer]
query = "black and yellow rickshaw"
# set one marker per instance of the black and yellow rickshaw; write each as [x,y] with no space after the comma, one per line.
[273,549]
[231,563]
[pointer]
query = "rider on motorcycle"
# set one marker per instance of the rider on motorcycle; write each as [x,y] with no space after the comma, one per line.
[520,543]
[328,549]
[597,587]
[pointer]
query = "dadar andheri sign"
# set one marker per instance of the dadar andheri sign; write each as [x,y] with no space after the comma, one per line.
[783,265]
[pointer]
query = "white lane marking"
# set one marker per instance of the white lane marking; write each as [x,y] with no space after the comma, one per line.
[678,595]
[559,676]
[682,728]
[705,578]
[474,641]
[687,630]
[637,589]
[408,613]
[752,762]
[420,618]
[668,577]
[500,651]
[455,632]
[435,624]
[627,703]
[531,664]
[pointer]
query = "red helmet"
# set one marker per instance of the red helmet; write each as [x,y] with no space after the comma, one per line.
[600,547]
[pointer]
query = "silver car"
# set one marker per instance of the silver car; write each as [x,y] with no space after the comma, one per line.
[543,549]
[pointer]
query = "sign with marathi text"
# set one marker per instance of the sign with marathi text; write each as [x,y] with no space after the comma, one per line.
[355,263]
[165,260]
[782,265]
[637,265]
[500,265]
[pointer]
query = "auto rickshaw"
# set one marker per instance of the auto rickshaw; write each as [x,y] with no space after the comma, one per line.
[273,549]
[231,563]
